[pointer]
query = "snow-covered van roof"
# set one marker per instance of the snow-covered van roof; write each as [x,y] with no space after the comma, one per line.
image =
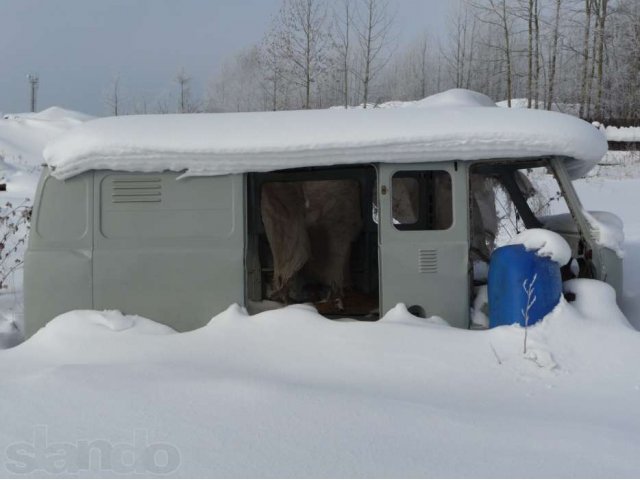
[454,125]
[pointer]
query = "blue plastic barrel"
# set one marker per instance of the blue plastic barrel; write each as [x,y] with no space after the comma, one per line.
[516,278]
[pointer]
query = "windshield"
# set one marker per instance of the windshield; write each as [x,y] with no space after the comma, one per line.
[543,196]
[508,198]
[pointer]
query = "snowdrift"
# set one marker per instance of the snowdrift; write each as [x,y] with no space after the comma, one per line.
[291,393]
[23,136]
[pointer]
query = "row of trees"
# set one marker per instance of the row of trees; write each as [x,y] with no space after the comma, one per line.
[316,54]
[119,102]
[580,56]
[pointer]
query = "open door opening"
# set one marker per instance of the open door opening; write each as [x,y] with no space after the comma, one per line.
[507,198]
[312,238]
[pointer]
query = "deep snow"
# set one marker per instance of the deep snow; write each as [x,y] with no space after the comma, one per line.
[23,136]
[615,188]
[623,134]
[290,393]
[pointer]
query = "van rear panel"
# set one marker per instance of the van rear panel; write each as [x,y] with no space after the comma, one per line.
[58,262]
[145,244]
[171,250]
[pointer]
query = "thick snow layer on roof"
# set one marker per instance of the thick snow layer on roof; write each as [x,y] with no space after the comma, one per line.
[218,144]
[568,108]
[22,139]
[55,114]
[24,135]
[456,97]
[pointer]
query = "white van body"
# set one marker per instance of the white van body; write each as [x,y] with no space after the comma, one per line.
[160,215]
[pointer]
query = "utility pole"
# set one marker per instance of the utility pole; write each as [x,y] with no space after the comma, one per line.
[33,81]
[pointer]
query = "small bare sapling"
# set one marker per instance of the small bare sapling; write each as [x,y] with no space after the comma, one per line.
[529,291]
[15,222]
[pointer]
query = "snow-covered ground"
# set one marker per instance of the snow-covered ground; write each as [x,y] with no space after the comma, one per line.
[615,187]
[623,134]
[290,393]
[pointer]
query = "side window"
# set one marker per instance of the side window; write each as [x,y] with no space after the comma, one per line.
[63,209]
[422,200]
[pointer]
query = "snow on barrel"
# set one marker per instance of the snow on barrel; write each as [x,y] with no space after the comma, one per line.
[525,282]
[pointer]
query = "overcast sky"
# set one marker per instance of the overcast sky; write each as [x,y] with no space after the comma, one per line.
[78,46]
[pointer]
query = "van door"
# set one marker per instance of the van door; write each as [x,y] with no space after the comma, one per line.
[167,249]
[423,240]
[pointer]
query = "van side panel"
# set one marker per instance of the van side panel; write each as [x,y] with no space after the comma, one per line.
[167,249]
[57,275]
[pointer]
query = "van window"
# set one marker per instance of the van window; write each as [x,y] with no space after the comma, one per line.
[506,200]
[422,200]
[63,209]
[543,195]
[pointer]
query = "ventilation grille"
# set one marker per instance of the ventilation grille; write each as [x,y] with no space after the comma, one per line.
[136,190]
[428,261]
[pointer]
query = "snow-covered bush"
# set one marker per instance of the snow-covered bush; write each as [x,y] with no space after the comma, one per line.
[15,223]
[529,290]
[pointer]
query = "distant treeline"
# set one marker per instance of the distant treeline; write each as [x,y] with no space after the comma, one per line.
[617,122]
[321,53]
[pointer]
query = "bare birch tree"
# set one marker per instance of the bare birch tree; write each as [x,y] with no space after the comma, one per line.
[497,14]
[585,58]
[602,17]
[113,97]
[305,25]
[580,55]
[458,22]
[530,25]
[626,47]
[273,54]
[373,30]
[341,39]
[421,63]
[553,56]
[185,102]
[536,55]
